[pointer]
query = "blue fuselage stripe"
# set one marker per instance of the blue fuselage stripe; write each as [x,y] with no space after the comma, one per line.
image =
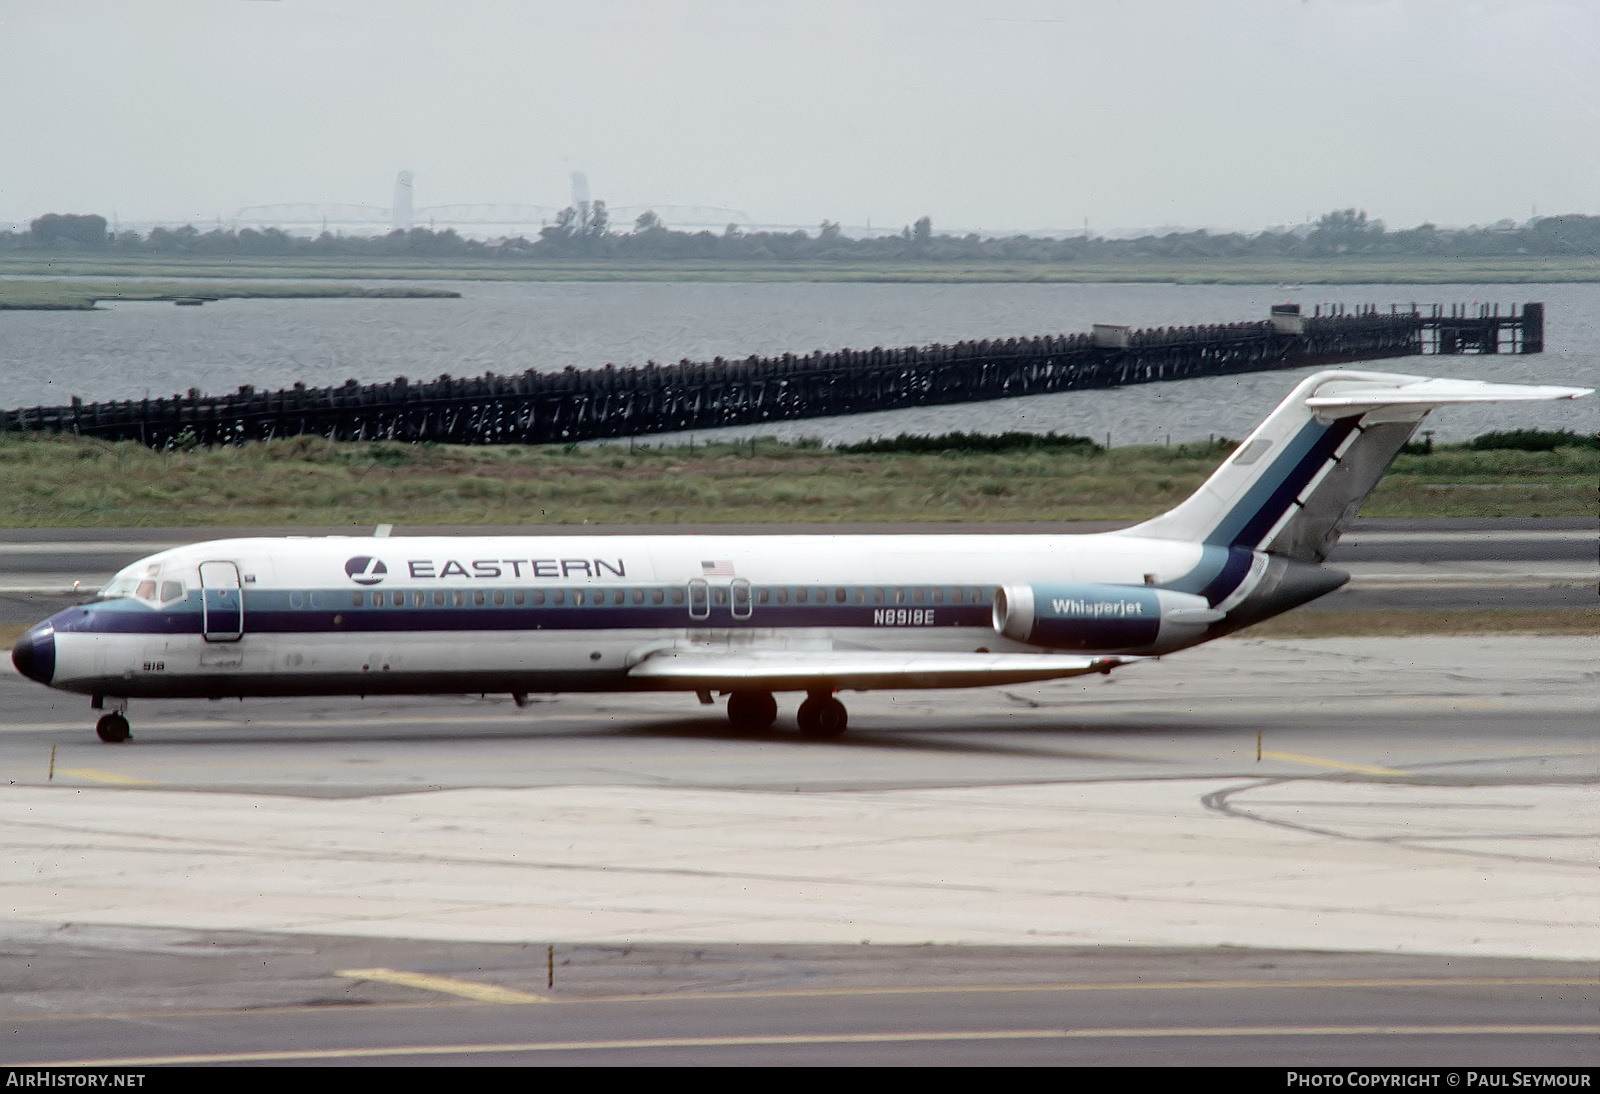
[1269,497]
[129,617]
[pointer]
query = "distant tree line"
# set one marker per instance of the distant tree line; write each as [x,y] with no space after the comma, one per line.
[587,234]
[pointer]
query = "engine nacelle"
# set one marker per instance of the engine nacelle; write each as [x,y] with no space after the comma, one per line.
[1100,617]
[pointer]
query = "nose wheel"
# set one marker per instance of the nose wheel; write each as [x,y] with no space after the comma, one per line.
[113,728]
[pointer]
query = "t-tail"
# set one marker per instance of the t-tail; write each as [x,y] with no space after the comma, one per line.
[1270,515]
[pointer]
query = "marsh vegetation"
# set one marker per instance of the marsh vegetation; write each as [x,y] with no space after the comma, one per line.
[78,482]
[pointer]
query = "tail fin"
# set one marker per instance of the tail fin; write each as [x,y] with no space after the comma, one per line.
[1295,483]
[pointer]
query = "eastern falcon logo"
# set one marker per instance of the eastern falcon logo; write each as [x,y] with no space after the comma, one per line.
[365,571]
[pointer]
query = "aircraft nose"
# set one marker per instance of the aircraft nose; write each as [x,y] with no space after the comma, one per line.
[35,654]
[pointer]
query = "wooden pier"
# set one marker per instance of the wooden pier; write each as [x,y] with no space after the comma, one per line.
[572,405]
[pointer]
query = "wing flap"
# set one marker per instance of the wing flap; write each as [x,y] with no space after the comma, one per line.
[802,670]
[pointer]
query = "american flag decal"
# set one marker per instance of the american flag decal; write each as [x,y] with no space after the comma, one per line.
[718,568]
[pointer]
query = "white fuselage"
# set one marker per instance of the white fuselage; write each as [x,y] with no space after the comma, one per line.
[454,614]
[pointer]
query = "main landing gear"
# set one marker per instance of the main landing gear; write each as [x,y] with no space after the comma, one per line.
[752,711]
[820,716]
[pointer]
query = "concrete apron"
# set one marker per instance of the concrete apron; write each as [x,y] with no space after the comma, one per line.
[1358,866]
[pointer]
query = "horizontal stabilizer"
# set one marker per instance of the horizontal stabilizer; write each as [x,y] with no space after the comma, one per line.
[724,669]
[1342,398]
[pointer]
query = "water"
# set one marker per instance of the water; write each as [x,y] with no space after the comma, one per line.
[130,351]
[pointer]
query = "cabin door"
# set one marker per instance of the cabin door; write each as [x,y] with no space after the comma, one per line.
[222,602]
[742,601]
[699,599]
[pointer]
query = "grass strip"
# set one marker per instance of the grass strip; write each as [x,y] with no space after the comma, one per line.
[1403,623]
[30,294]
[65,481]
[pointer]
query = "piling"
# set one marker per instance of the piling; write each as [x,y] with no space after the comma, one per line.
[571,405]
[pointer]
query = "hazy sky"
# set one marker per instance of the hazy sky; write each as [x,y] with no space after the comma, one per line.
[992,114]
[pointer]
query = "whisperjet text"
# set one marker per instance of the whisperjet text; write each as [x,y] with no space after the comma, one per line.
[1097,609]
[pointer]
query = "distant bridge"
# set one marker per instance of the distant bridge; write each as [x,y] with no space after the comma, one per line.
[475,219]
[573,405]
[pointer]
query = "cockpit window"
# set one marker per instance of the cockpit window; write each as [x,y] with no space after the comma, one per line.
[118,587]
[141,581]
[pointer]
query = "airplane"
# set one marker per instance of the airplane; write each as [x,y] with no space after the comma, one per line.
[749,616]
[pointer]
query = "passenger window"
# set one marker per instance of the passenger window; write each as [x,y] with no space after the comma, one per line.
[877,596]
[356,599]
[800,596]
[538,596]
[899,596]
[955,596]
[638,596]
[658,596]
[458,597]
[918,595]
[938,596]
[416,600]
[861,596]
[720,595]
[783,596]
[517,598]
[678,596]
[577,596]
[840,595]
[558,597]
[499,598]
[619,597]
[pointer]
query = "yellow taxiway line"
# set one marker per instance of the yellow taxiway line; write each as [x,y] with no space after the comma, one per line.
[1335,765]
[94,774]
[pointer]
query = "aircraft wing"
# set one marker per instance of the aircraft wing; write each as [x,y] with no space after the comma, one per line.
[728,669]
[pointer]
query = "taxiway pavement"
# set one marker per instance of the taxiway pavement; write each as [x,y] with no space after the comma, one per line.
[1334,851]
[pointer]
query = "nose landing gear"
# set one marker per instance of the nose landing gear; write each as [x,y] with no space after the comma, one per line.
[113,728]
